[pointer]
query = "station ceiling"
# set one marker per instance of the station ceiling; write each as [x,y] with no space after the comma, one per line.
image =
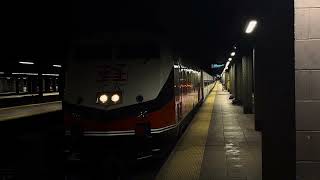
[200,30]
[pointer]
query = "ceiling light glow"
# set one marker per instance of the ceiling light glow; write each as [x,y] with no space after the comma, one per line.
[26,62]
[251,26]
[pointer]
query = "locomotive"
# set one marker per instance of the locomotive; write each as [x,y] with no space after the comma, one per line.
[127,101]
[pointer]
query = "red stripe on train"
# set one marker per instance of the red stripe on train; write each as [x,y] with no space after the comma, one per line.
[157,119]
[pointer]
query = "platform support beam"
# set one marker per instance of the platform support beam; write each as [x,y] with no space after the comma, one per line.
[247,84]
[275,88]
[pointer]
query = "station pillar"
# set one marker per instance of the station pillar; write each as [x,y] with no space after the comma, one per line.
[275,88]
[247,83]
[40,79]
[238,81]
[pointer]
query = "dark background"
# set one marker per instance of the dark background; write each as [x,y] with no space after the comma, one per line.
[200,30]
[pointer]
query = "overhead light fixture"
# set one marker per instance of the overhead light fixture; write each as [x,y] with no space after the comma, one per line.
[251,26]
[31,74]
[233,53]
[57,65]
[230,59]
[227,64]
[50,74]
[26,62]
[1,72]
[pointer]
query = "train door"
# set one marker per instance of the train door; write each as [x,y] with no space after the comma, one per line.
[201,86]
[178,93]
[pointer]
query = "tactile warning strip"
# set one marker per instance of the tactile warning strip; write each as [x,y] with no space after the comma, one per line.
[185,160]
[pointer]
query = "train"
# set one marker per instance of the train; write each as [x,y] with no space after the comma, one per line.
[137,104]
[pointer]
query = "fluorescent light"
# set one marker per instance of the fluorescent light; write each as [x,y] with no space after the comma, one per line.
[251,26]
[1,72]
[230,59]
[57,65]
[50,74]
[26,62]
[176,66]
[233,53]
[227,64]
[226,67]
[31,74]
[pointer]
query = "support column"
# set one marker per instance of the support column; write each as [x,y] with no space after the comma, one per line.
[40,81]
[275,88]
[247,84]
[233,81]
[17,85]
[238,80]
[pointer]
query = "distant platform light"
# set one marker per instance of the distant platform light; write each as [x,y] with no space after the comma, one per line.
[30,74]
[227,65]
[230,59]
[1,72]
[233,54]
[50,74]
[26,62]
[57,65]
[251,26]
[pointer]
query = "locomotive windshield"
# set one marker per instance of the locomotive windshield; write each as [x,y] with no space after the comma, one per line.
[126,51]
[148,50]
[92,52]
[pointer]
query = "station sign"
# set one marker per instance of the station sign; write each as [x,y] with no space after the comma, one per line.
[215,66]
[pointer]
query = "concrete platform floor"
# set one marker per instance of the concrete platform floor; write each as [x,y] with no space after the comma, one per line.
[22,111]
[219,144]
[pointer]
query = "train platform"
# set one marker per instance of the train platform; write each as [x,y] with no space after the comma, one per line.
[219,144]
[28,95]
[27,99]
[23,111]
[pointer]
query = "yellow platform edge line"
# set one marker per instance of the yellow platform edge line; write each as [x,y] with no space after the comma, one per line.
[185,160]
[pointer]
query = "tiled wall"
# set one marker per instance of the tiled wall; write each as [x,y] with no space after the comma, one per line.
[307,72]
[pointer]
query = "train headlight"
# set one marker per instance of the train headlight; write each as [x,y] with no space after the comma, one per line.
[115,98]
[109,98]
[103,98]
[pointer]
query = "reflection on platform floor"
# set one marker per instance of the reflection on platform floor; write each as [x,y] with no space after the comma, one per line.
[220,144]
